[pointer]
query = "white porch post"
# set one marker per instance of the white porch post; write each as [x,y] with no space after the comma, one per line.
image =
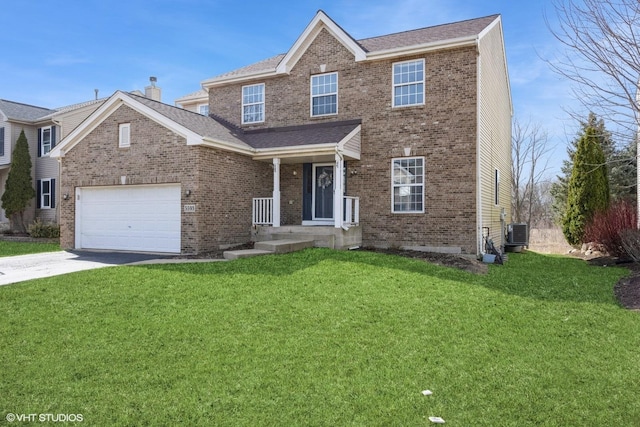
[276,192]
[338,192]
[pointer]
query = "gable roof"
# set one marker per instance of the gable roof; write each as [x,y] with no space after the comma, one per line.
[449,35]
[23,112]
[197,129]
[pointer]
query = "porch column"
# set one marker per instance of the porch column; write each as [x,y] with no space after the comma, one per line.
[276,192]
[338,192]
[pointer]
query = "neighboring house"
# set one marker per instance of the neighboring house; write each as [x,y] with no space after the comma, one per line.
[43,128]
[399,140]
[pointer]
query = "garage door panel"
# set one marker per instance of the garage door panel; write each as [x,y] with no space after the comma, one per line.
[135,218]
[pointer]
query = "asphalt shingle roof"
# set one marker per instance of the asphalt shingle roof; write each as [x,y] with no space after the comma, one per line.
[455,30]
[23,112]
[292,136]
[451,31]
[202,125]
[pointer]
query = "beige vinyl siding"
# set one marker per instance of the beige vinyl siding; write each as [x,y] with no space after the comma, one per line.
[495,111]
[46,168]
[69,121]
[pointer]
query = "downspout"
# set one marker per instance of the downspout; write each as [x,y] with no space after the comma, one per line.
[59,180]
[479,223]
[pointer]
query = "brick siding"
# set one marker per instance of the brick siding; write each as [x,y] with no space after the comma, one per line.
[221,183]
[443,131]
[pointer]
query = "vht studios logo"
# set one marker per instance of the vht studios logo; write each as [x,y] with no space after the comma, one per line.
[43,418]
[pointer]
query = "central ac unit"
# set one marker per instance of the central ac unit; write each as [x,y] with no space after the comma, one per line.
[517,234]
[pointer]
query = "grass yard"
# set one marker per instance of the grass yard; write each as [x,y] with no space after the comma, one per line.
[326,338]
[8,248]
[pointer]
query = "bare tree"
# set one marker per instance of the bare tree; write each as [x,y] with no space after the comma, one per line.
[602,56]
[529,148]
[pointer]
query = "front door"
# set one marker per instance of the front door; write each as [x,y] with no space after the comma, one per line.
[323,192]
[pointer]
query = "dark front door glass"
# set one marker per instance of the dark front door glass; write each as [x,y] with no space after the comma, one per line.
[323,187]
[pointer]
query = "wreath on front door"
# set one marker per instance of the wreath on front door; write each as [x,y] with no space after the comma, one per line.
[325,179]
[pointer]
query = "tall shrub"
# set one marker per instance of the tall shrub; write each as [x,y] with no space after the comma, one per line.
[588,188]
[607,227]
[19,187]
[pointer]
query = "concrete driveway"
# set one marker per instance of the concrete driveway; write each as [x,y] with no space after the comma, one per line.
[26,267]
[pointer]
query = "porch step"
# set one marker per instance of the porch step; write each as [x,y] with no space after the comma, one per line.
[283,246]
[244,253]
[269,247]
[319,240]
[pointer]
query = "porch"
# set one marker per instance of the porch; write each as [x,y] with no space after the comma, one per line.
[310,198]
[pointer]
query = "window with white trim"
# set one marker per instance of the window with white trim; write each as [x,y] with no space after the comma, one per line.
[324,94]
[46,193]
[203,109]
[407,181]
[46,140]
[497,187]
[408,83]
[253,103]
[124,135]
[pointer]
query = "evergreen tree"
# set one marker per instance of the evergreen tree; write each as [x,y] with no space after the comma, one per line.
[619,170]
[588,187]
[19,187]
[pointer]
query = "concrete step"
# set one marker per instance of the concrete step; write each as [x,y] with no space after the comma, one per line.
[283,246]
[319,240]
[244,253]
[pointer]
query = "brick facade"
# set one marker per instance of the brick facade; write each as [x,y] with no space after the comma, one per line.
[221,183]
[444,131]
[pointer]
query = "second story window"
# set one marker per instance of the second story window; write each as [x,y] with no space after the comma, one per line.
[408,83]
[203,109]
[46,140]
[324,94]
[253,104]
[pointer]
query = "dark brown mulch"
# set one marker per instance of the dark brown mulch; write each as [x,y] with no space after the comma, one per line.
[215,254]
[447,260]
[627,290]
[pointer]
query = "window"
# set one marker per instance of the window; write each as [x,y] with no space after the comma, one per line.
[407,177]
[324,94]
[46,193]
[408,83]
[203,109]
[46,140]
[124,138]
[1,141]
[497,187]
[253,103]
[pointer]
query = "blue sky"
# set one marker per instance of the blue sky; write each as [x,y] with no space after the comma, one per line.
[57,53]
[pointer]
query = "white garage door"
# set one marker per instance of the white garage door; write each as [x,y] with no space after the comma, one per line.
[129,218]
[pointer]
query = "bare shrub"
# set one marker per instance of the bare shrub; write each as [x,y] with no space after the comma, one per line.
[606,227]
[630,240]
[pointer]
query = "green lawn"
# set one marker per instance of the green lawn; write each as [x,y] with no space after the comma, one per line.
[327,338]
[8,248]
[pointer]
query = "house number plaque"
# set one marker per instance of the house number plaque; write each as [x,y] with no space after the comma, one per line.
[189,208]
